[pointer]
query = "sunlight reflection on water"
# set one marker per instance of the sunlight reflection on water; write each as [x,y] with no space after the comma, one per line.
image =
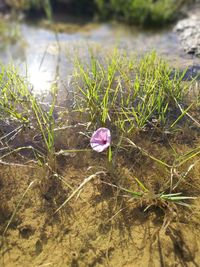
[39,51]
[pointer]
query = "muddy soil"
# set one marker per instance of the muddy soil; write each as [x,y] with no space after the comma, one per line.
[98,227]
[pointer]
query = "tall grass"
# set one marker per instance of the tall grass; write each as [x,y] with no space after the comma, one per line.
[129,93]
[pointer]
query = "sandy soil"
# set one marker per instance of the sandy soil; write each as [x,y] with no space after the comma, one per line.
[98,228]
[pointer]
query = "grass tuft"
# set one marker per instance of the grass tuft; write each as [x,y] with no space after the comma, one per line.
[21,110]
[130,94]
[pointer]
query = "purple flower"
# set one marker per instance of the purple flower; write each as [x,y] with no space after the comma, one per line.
[100,139]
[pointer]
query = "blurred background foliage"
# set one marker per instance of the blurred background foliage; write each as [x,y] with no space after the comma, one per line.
[141,12]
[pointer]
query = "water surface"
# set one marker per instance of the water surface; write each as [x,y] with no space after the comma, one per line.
[47,55]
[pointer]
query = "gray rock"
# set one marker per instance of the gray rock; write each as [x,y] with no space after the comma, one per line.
[189,33]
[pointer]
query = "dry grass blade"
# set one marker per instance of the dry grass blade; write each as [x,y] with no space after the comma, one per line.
[86,180]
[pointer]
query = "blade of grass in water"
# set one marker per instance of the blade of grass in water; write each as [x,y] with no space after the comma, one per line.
[148,155]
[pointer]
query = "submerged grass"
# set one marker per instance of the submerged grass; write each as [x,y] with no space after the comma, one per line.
[134,98]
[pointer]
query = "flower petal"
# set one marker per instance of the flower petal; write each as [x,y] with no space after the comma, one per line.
[100,139]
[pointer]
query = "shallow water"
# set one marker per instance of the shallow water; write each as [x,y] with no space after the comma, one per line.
[99,227]
[46,55]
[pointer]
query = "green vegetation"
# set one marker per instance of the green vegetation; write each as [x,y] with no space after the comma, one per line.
[130,94]
[9,32]
[143,12]
[44,5]
[140,12]
[20,109]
